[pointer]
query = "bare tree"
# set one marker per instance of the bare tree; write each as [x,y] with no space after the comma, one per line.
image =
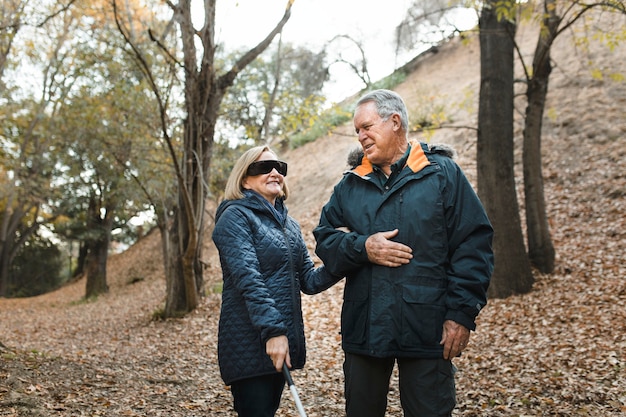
[204,89]
[426,24]
[358,66]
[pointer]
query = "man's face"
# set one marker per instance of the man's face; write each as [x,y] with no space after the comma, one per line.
[381,139]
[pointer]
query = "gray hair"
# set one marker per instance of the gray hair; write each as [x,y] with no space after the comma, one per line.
[387,104]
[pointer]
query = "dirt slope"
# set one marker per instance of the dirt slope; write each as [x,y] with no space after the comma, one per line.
[557,351]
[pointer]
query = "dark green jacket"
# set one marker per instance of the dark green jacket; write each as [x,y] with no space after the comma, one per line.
[399,312]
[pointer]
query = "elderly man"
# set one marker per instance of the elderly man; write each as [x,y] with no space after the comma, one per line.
[412,238]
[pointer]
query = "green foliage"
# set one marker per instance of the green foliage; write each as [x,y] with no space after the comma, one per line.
[321,126]
[77,131]
[390,81]
[313,127]
[505,10]
[428,112]
[85,300]
[36,269]
[216,288]
[158,314]
[276,96]
[611,39]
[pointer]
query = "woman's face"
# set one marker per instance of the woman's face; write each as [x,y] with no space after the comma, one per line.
[269,185]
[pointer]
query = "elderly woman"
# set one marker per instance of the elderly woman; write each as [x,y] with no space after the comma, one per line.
[265,264]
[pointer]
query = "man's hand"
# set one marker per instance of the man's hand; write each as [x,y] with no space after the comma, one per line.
[454,339]
[382,251]
[277,348]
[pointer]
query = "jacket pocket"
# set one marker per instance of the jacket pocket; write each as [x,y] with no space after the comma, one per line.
[423,312]
[354,314]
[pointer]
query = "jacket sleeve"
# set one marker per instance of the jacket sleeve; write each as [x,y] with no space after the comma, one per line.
[313,280]
[471,259]
[240,265]
[341,250]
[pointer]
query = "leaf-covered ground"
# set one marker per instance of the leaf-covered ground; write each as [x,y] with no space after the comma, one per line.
[557,351]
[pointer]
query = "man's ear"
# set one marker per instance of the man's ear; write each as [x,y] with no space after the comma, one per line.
[397,122]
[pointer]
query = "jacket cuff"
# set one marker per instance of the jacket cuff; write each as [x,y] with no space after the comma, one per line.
[461,318]
[267,334]
[359,249]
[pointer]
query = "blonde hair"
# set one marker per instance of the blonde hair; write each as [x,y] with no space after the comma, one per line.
[234,185]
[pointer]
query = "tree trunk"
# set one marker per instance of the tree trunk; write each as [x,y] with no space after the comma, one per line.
[496,178]
[540,248]
[97,267]
[4,270]
[81,259]
[99,229]
[264,134]
[176,302]
[184,270]
[204,91]
[15,229]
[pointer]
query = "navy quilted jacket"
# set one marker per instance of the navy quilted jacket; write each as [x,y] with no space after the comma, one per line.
[265,264]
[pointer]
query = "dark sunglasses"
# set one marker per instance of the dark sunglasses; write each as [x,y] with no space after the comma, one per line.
[265,167]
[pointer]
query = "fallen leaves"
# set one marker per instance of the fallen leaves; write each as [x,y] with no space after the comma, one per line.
[557,351]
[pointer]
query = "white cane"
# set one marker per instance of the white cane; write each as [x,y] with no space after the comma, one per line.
[294,391]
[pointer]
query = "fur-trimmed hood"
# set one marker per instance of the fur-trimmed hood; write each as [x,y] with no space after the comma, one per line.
[355,157]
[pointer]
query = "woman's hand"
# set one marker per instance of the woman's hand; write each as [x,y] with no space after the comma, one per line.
[277,348]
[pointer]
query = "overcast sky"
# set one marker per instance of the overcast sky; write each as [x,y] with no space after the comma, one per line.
[313,23]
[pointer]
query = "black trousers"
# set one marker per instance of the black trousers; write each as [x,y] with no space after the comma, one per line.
[259,396]
[427,386]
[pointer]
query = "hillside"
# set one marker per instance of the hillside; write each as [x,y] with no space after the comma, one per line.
[558,351]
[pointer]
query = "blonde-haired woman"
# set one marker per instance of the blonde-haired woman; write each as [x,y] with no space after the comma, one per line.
[265,265]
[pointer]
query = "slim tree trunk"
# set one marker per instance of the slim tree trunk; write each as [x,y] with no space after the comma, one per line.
[81,259]
[184,273]
[4,270]
[496,179]
[176,303]
[264,134]
[540,248]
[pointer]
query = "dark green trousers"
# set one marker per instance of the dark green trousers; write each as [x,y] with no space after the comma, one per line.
[426,386]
